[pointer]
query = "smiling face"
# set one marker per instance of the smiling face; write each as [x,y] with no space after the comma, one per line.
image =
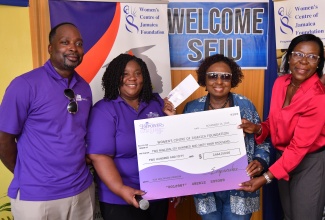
[132,81]
[301,68]
[218,88]
[66,49]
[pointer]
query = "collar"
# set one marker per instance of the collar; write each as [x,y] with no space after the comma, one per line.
[142,104]
[305,85]
[55,75]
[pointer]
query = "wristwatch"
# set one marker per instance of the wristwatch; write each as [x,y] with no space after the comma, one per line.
[268,180]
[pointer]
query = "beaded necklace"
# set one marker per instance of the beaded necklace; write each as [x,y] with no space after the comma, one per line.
[224,105]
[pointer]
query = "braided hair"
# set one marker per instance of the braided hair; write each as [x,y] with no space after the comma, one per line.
[113,78]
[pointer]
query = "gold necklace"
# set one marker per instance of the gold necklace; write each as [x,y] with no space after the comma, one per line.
[294,84]
[135,108]
[224,105]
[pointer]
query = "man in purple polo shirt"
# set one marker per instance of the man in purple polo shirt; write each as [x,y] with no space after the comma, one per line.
[43,120]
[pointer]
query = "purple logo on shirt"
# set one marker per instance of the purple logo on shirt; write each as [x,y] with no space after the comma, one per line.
[153,115]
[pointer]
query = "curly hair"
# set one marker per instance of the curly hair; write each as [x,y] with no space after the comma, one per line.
[236,72]
[306,38]
[113,78]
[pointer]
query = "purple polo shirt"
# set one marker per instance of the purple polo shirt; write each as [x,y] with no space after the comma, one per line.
[111,132]
[51,141]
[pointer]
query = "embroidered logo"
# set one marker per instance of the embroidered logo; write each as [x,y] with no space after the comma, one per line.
[152,115]
[79,98]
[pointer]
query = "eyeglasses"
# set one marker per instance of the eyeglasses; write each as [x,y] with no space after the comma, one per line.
[213,76]
[72,106]
[311,58]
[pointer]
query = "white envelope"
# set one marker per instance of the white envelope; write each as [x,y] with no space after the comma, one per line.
[183,90]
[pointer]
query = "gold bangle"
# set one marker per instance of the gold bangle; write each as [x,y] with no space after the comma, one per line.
[259,130]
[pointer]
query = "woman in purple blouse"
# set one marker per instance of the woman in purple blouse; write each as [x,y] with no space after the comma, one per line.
[111,139]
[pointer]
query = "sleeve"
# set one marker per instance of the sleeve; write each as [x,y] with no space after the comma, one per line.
[265,132]
[308,130]
[261,152]
[15,106]
[276,100]
[193,106]
[196,105]
[101,131]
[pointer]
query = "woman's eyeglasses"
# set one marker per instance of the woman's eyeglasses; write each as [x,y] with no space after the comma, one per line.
[213,76]
[72,106]
[311,58]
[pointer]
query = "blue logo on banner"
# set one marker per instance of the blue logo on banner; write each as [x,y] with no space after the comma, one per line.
[129,17]
[285,17]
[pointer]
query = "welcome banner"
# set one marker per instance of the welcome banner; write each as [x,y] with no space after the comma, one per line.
[237,29]
[112,28]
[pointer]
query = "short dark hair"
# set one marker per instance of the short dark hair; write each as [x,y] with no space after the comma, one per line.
[113,78]
[236,72]
[304,38]
[53,30]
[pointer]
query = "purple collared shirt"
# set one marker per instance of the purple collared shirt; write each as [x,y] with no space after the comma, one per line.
[111,132]
[50,141]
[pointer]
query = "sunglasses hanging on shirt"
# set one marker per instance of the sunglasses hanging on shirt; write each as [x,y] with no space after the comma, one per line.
[72,106]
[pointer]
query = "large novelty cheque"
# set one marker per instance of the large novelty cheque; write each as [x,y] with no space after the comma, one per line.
[191,153]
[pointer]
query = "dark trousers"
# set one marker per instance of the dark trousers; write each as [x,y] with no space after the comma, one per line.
[157,210]
[303,196]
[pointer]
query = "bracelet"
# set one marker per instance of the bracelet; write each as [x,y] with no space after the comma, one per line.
[268,180]
[259,130]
